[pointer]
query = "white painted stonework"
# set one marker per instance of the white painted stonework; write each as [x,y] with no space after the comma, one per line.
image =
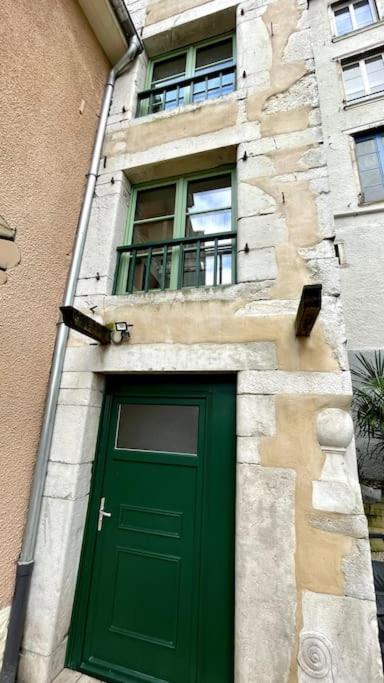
[358,226]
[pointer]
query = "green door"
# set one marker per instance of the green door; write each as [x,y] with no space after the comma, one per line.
[154,601]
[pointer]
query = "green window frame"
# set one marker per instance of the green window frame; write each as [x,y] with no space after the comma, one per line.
[215,80]
[172,252]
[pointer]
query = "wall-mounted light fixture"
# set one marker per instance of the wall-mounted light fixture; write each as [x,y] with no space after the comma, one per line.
[121,332]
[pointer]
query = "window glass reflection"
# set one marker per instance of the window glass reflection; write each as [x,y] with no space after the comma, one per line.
[161,428]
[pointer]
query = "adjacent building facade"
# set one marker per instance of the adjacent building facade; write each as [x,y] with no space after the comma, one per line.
[214,529]
[348,49]
[54,69]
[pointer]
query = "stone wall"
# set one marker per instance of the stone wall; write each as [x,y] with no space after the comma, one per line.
[304,595]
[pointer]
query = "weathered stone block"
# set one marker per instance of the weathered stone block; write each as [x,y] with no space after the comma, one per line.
[280,382]
[57,558]
[173,357]
[265,574]
[67,481]
[261,231]
[256,415]
[257,265]
[357,570]
[75,434]
[248,449]
[36,668]
[350,658]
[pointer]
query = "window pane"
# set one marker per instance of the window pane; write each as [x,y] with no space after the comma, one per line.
[371,172]
[213,54]
[363,13]
[208,224]
[370,178]
[374,194]
[354,86]
[206,265]
[375,71]
[159,201]
[368,161]
[169,99]
[153,232]
[365,147]
[209,194]
[343,21]
[169,69]
[171,429]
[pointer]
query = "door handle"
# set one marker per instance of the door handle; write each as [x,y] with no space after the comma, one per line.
[102,514]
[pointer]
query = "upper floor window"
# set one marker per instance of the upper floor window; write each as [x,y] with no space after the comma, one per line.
[181,234]
[370,161]
[193,74]
[349,16]
[364,76]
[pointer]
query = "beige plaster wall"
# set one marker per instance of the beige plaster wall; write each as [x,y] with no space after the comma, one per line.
[51,61]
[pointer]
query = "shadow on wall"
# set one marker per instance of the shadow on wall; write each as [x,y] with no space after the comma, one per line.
[9,252]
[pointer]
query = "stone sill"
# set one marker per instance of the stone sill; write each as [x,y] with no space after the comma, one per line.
[175,295]
[374,207]
[364,100]
[236,95]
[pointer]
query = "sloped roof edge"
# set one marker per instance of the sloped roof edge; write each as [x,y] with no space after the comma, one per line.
[111,24]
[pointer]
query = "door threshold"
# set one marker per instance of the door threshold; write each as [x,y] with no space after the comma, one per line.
[70,676]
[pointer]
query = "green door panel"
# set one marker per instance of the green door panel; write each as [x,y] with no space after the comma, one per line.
[154,601]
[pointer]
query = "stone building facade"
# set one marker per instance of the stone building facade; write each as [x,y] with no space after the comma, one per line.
[304,604]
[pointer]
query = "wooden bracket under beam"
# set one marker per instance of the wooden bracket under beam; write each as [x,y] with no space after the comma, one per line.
[309,309]
[76,320]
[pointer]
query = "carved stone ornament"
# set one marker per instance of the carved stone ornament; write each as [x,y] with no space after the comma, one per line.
[315,654]
[335,490]
[334,429]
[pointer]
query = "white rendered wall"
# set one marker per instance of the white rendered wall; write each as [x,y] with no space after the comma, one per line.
[359,228]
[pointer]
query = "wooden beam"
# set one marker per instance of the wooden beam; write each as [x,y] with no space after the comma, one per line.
[85,325]
[309,309]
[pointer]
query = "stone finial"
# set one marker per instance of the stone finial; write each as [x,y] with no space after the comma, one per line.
[334,429]
[334,491]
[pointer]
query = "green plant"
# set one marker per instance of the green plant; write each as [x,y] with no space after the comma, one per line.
[368,402]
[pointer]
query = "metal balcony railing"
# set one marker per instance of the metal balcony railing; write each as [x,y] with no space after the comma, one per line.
[215,83]
[204,261]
